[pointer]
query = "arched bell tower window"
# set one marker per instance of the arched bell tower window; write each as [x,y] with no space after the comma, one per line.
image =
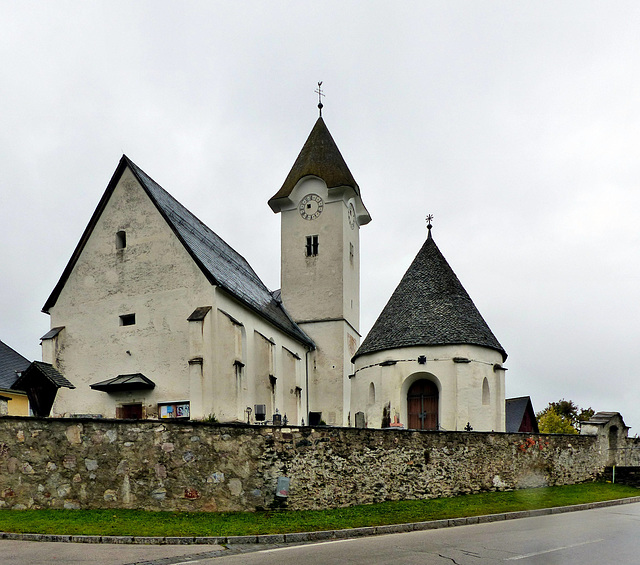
[486,393]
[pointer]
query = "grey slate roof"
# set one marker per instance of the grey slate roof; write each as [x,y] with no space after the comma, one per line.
[600,418]
[320,157]
[429,307]
[11,362]
[515,409]
[221,264]
[135,381]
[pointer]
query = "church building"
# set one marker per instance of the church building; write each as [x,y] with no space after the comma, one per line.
[155,316]
[430,361]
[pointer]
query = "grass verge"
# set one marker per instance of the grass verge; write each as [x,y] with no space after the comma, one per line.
[143,523]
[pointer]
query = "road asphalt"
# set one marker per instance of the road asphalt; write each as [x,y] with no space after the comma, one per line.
[118,550]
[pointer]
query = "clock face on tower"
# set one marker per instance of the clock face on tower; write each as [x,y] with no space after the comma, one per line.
[311,206]
[351,213]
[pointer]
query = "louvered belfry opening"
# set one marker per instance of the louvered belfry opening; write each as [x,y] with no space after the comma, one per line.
[422,405]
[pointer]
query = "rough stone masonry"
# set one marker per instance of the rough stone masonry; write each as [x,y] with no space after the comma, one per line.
[197,466]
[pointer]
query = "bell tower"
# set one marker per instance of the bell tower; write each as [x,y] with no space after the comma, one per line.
[321,213]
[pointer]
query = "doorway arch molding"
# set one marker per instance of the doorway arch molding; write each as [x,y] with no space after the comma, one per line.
[406,386]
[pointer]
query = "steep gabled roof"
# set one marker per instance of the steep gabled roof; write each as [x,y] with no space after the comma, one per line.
[42,370]
[515,411]
[11,363]
[319,157]
[220,263]
[600,418]
[429,307]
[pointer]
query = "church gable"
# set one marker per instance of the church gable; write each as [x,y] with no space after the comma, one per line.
[216,260]
[127,250]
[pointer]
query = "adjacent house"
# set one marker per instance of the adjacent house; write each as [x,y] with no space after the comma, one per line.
[12,364]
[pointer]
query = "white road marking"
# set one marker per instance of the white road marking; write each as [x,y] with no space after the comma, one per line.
[517,557]
[307,545]
[273,550]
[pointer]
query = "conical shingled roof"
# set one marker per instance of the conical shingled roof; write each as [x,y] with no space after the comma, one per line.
[319,157]
[429,307]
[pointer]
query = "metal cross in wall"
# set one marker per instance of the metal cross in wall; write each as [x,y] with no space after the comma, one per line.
[422,416]
[320,95]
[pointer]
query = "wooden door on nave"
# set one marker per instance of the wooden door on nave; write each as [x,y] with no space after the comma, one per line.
[422,405]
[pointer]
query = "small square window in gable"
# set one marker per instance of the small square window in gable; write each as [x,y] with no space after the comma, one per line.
[128,320]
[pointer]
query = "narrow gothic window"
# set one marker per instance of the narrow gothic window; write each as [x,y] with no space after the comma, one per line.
[351,253]
[312,245]
[121,240]
[486,393]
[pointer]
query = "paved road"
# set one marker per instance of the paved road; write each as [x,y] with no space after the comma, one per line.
[595,537]
[606,536]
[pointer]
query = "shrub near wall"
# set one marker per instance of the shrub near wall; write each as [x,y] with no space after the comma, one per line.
[160,465]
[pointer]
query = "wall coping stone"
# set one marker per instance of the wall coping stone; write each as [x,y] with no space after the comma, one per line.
[269,428]
[303,537]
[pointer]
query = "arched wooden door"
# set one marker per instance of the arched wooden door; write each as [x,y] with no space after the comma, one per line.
[422,405]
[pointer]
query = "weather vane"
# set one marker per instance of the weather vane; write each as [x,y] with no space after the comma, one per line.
[429,218]
[320,95]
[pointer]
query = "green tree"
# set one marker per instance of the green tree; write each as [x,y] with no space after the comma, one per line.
[550,422]
[562,417]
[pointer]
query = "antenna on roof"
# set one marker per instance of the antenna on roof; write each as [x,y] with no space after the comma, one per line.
[429,226]
[320,95]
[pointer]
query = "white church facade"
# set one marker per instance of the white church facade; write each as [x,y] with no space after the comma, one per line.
[155,316]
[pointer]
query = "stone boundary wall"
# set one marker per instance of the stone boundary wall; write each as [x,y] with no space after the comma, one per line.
[196,466]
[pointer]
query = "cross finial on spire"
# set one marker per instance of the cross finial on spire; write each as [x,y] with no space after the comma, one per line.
[429,226]
[320,95]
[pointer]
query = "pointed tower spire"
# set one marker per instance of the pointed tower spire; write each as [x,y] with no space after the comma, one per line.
[429,307]
[320,157]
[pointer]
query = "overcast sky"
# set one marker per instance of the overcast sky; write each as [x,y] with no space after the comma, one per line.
[515,124]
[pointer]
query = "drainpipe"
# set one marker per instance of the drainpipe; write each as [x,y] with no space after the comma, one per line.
[307,381]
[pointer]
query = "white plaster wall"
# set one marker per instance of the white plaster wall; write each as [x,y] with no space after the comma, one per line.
[330,368]
[460,385]
[233,402]
[154,278]
[322,293]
